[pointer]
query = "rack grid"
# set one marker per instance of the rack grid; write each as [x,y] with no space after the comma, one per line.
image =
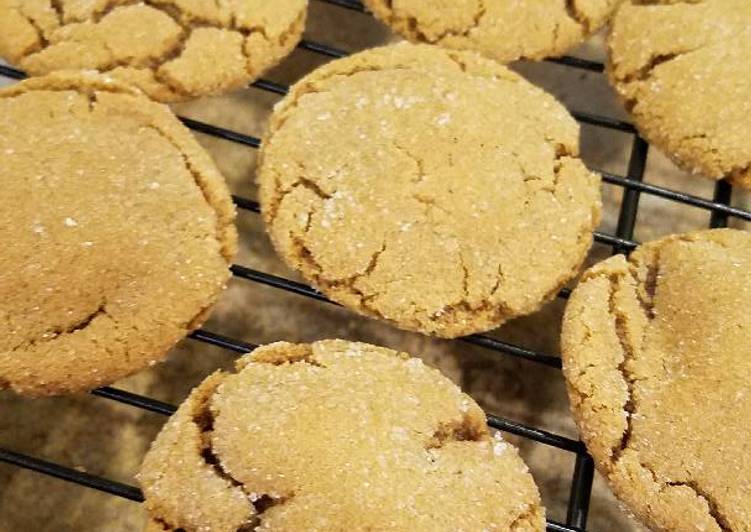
[719,207]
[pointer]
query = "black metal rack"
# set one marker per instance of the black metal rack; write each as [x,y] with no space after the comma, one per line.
[620,242]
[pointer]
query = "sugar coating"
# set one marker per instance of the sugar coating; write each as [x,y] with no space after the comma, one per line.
[682,70]
[173,49]
[102,275]
[308,437]
[655,353]
[504,30]
[453,215]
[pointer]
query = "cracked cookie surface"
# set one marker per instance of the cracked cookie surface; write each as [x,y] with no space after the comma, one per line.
[334,435]
[433,189]
[117,229]
[173,50]
[505,30]
[655,354]
[682,70]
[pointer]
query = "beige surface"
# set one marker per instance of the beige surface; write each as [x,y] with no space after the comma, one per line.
[683,71]
[505,30]
[121,232]
[335,435]
[378,169]
[655,352]
[173,50]
[107,439]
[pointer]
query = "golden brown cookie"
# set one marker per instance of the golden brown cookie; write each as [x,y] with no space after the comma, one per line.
[683,71]
[433,189]
[117,230]
[172,49]
[504,30]
[329,436]
[656,356]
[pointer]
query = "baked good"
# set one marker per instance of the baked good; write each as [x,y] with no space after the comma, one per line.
[334,435]
[433,189]
[118,233]
[683,71]
[655,354]
[504,30]
[173,50]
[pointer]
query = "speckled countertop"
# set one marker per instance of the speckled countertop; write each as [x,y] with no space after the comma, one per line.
[108,439]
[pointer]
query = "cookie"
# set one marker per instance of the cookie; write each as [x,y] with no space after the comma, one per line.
[118,233]
[173,50]
[433,189]
[683,71]
[334,435]
[655,354]
[504,30]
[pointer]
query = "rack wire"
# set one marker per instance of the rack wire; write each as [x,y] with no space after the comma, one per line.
[719,207]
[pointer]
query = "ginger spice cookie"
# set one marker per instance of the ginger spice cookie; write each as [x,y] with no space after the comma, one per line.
[656,355]
[433,189]
[683,71]
[504,30]
[334,435]
[172,49]
[117,233]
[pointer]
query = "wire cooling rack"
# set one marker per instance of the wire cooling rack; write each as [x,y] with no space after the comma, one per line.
[719,207]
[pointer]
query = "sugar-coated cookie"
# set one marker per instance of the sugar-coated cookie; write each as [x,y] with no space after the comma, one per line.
[683,71]
[117,233]
[334,435]
[171,49]
[433,189]
[656,356]
[504,30]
